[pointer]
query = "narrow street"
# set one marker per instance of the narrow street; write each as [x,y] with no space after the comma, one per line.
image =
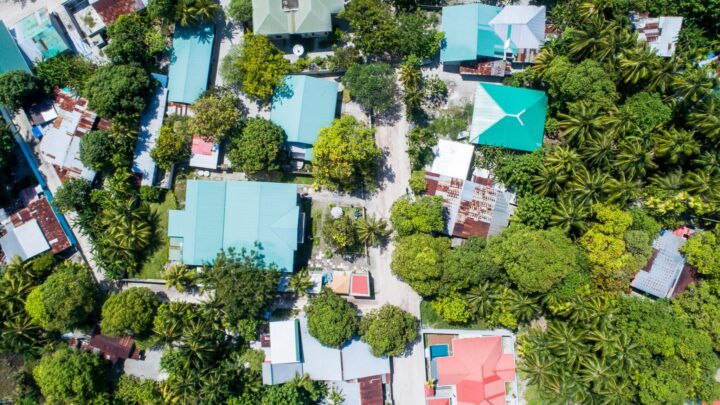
[409,371]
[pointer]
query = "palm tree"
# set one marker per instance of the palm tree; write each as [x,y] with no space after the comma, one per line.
[563,159]
[706,118]
[581,124]
[548,181]
[192,12]
[596,371]
[543,60]
[413,98]
[693,84]
[570,215]
[300,283]
[482,298]
[620,122]
[588,186]
[127,223]
[568,344]
[21,335]
[616,391]
[663,74]
[170,328]
[410,74]
[621,189]
[179,276]
[709,160]
[13,291]
[599,151]
[634,158]
[538,367]
[372,230]
[676,145]
[335,397]
[524,307]
[702,182]
[637,64]
[671,182]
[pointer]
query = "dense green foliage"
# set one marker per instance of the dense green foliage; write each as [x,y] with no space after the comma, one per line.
[172,146]
[7,148]
[256,67]
[420,146]
[257,147]
[73,195]
[240,11]
[373,86]
[388,330]
[411,215]
[67,377]
[129,43]
[64,70]
[129,313]
[331,319]
[216,113]
[19,89]
[65,300]
[96,149]
[340,233]
[118,89]
[346,156]
[418,259]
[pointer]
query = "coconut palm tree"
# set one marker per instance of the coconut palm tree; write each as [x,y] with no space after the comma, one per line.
[410,73]
[706,118]
[621,189]
[581,124]
[634,158]
[336,397]
[180,277]
[693,84]
[524,307]
[539,367]
[482,298]
[13,291]
[599,151]
[568,344]
[596,371]
[191,12]
[703,182]
[372,230]
[300,283]
[620,122]
[570,215]
[21,335]
[637,64]
[543,60]
[170,328]
[563,159]
[663,73]
[671,182]
[548,181]
[676,145]
[709,160]
[588,185]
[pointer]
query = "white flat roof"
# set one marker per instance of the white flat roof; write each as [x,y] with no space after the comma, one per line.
[284,342]
[453,159]
[25,241]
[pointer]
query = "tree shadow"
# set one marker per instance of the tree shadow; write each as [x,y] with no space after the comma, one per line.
[389,116]
[385,173]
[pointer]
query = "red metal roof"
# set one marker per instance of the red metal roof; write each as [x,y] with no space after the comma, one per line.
[202,147]
[438,401]
[371,390]
[360,285]
[114,348]
[40,210]
[478,369]
[110,10]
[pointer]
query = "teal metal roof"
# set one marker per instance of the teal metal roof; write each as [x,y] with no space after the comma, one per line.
[11,59]
[190,62]
[38,37]
[304,105]
[468,33]
[510,117]
[220,215]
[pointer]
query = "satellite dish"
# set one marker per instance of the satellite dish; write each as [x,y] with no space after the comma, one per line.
[298,50]
[336,212]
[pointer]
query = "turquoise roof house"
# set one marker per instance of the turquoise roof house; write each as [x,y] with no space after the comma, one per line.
[39,37]
[190,62]
[219,215]
[301,107]
[509,117]
[11,58]
[481,30]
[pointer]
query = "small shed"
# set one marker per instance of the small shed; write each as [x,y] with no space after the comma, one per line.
[453,159]
[285,342]
[204,154]
[360,285]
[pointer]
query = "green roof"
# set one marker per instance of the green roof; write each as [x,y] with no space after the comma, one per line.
[269,17]
[11,59]
[220,215]
[510,117]
[304,105]
[38,37]
[468,33]
[190,62]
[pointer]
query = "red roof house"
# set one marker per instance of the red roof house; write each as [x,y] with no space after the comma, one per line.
[478,369]
[360,285]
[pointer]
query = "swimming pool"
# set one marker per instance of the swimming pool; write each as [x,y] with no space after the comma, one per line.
[439,351]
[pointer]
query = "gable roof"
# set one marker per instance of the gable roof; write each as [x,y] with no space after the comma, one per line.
[473,30]
[190,62]
[524,26]
[11,59]
[510,117]
[663,269]
[269,17]
[478,369]
[304,105]
[220,215]
[25,241]
[38,36]
[150,123]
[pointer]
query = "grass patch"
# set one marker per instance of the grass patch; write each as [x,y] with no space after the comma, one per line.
[152,268]
[430,319]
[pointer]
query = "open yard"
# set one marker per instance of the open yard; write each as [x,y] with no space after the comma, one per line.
[152,268]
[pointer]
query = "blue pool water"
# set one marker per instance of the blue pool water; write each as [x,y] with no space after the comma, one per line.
[439,351]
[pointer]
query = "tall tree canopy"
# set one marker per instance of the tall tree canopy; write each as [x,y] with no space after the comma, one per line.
[129,313]
[373,86]
[256,67]
[411,215]
[331,319]
[19,89]
[419,259]
[70,377]
[388,330]
[257,147]
[118,89]
[346,156]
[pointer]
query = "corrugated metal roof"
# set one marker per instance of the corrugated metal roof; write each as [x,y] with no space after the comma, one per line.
[359,362]
[190,62]
[664,267]
[271,18]
[219,215]
[11,59]
[304,105]
[524,26]
[509,117]
[320,362]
